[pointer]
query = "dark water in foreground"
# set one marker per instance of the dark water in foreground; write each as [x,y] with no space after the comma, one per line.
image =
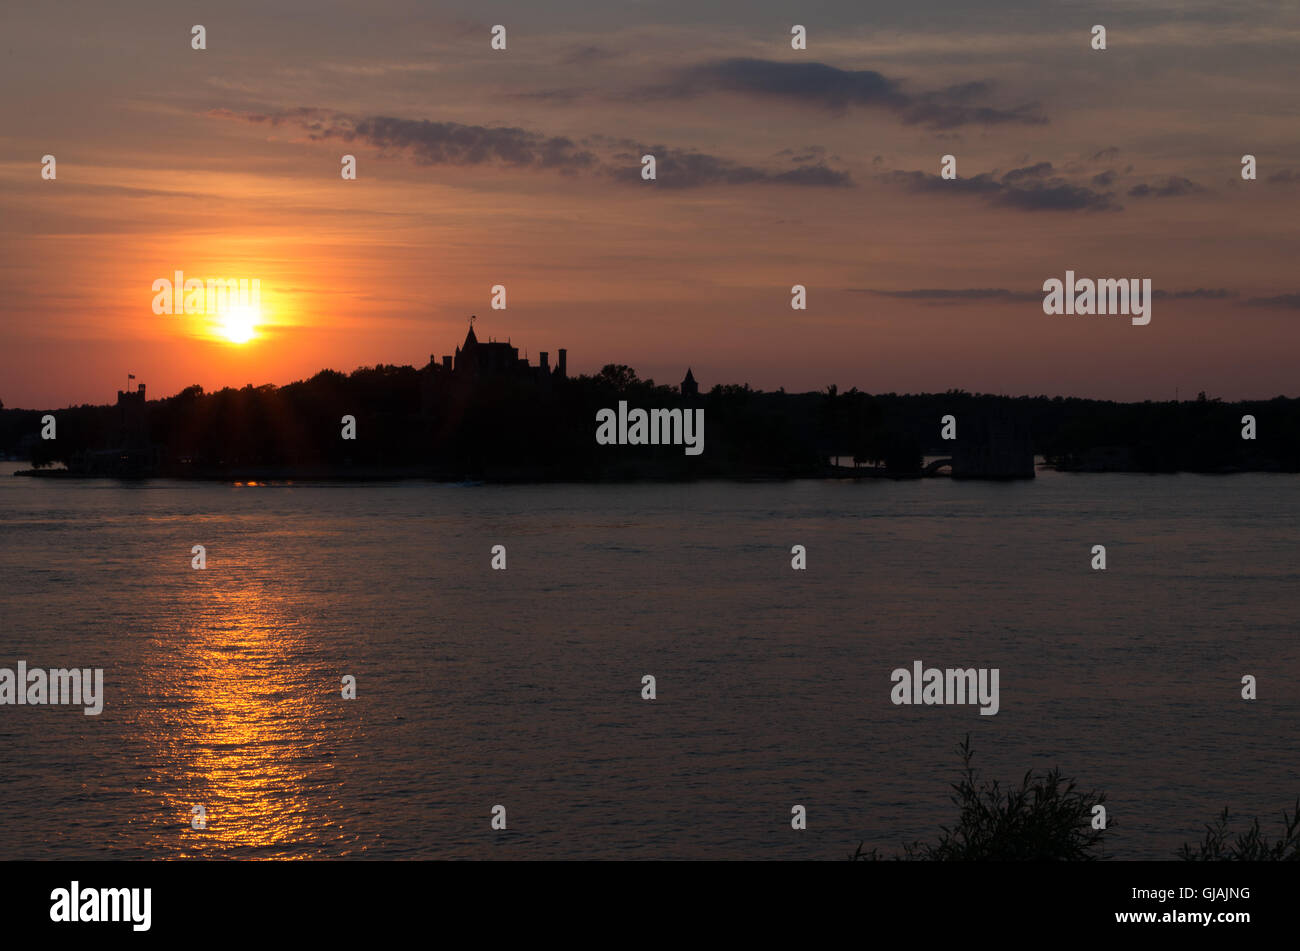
[522,687]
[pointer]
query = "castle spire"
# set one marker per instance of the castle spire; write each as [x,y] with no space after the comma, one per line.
[689,386]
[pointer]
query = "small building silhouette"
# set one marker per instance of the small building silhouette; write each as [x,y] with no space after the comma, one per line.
[690,388]
[134,455]
[133,420]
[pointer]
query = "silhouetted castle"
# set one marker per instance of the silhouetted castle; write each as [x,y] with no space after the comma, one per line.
[474,361]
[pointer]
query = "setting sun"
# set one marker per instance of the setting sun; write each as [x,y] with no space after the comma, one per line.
[239,324]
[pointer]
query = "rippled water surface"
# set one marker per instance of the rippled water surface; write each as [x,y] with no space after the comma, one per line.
[523,687]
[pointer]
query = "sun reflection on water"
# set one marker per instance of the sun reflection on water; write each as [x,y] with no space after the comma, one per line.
[241,734]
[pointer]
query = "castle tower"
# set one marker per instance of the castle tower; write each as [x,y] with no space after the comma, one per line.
[133,420]
[690,389]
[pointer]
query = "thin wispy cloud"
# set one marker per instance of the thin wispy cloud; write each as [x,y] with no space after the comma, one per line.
[457,144]
[943,295]
[1199,293]
[835,89]
[1283,301]
[1032,188]
[588,54]
[951,295]
[1172,187]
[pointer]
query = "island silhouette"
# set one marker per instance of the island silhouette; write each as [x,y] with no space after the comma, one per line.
[486,413]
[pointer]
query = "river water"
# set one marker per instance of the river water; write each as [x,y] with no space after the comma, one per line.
[522,688]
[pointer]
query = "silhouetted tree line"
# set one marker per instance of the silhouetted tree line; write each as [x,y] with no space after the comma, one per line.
[1202,435]
[411,422]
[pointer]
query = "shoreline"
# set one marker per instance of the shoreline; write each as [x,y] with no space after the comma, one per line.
[282,475]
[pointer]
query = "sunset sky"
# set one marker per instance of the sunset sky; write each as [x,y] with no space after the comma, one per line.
[775,167]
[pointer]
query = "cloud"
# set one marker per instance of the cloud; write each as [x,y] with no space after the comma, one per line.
[1033,188]
[435,143]
[1041,170]
[303,115]
[457,144]
[805,82]
[809,153]
[585,55]
[132,191]
[944,295]
[452,143]
[836,89]
[1200,293]
[679,168]
[1173,187]
[1285,177]
[1105,155]
[1287,301]
[819,174]
[551,95]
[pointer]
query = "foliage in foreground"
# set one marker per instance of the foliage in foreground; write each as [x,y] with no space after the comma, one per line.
[1044,819]
[1250,846]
